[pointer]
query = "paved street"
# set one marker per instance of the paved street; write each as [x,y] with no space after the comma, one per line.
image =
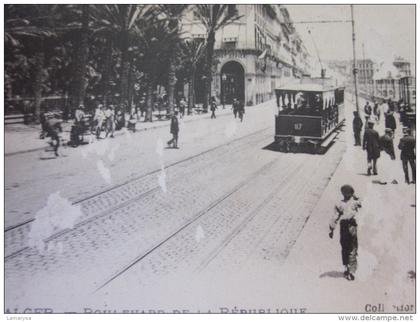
[212,224]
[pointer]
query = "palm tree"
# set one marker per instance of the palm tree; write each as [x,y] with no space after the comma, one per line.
[173,13]
[32,25]
[82,53]
[213,17]
[119,22]
[192,52]
[155,41]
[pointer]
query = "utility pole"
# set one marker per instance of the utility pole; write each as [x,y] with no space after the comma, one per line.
[354,59]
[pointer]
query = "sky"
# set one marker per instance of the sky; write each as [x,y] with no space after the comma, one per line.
[385,30]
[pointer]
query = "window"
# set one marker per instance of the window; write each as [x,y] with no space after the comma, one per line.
[229,44]
[232,10]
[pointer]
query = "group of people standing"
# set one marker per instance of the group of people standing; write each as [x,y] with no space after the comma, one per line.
[110,118]
[238,108]
[373,143]
[346,210]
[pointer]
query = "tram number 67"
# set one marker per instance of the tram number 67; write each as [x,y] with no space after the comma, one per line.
[298,126]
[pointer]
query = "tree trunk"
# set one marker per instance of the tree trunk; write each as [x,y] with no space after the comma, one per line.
[79,87]
[149,101]
[125,64]
[130,89]
[171,85]
[191,91]
[208,70]
[38,80]
[106,72]
[190,96]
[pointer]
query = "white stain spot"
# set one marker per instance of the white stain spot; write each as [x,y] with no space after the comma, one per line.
[57,215]
[111,154]
[231,128]
[99,148]
[159,147]
[162,174]
[162,179]
[199,234]
[104,171]
[127,134]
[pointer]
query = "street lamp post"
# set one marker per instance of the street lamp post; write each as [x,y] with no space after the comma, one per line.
[354,59]
[224,77]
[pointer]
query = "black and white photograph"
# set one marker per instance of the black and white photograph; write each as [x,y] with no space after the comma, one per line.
[209,158]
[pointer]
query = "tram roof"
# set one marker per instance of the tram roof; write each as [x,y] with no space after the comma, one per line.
[307,88]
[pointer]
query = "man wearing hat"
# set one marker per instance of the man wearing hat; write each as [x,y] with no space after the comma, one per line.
[390,122]
[174,130]
[345,212]
[357,127]
[368,112]
[407,146]
[387,143]
[372,147]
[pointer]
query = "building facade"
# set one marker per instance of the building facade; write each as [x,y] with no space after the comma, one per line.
[395,82]
[365,75]
[255,54]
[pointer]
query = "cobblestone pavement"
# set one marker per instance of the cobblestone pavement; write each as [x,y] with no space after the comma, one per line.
[108,201]
[210,207]
[258,222]
[238,184]
[88,170]
[107,240]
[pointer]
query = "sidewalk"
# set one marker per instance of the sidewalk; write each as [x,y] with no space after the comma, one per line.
[386,232]
[20,138]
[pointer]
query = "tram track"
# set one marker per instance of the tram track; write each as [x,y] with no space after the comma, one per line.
[291,170]
[24,227]
[187,224]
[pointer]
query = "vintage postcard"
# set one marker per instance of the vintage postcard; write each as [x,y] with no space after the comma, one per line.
[209,158]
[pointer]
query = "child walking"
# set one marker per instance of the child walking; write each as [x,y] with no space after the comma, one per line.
[345,212]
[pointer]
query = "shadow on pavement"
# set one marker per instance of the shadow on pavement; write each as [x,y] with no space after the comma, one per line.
[333,274]
[305,149]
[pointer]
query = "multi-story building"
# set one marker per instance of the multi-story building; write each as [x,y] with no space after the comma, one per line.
[395,82]
[365,72]
[386,82]
[255,54]
[403,66]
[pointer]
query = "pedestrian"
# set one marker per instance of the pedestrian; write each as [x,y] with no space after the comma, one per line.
[390,122]
[142,106]
[357,128]
[345,212]
[368,112]
[387,143]
[241,110]
[407,146]
[235,107]
[99,119]
[76,132]
[372,147]
[182,106]
[376,112]
[120,117]
[213,107]
[53,127]
[43,121]
[109,121]
[174,131]
[131,124]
